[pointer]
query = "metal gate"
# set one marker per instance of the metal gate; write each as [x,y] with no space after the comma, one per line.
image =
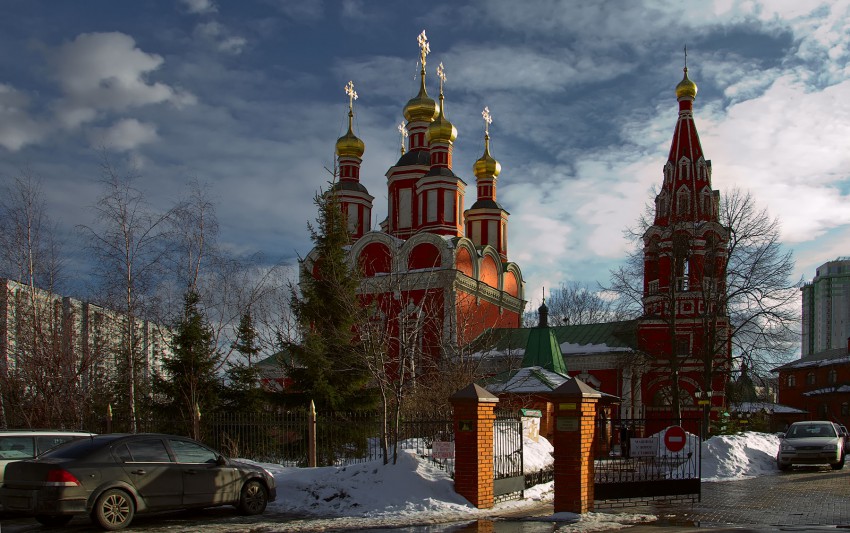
[647,460]
[508,478]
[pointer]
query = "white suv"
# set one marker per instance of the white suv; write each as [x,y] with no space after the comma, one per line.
[26,444]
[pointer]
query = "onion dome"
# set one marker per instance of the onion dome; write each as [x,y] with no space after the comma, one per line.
[486,166]
[686,87]
[349,145]
[422,108]
[441,130]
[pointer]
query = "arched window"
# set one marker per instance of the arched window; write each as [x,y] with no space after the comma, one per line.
[683,201]
[810,378]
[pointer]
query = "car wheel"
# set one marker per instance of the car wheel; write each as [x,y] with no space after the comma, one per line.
[254,498]
[839,465]
[113,510]
[53,520]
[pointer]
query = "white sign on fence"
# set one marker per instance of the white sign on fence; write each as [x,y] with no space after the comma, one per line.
[442,450]
[643,447]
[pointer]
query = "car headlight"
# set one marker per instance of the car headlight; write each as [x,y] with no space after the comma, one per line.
[830,447]
[785,447]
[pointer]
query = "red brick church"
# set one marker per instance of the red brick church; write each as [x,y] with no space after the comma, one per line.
[442,270]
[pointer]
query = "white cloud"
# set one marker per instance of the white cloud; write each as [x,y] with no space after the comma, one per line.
[106,71]
[124,135]
[199,6]
[17,127]
[301,10]
[223,39]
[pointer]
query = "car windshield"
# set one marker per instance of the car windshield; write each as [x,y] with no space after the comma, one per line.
[802,431]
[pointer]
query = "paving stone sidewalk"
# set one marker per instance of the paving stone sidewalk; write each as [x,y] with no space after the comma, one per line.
[811,496]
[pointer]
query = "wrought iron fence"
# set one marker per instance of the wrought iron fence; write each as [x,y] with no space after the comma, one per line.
[341,437]
[647,458]
[509,479]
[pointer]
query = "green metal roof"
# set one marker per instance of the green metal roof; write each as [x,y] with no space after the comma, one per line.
[542,350]
[622,334]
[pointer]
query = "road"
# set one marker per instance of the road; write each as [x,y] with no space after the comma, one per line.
[802,497]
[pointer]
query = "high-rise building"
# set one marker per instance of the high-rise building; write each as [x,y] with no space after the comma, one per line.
[826,308]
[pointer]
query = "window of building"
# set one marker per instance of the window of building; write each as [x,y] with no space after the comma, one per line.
[810,378]
[432,206]
[792,381]
[824,410]
[653,286]
[683,201]
[832,377]
[845,409]
[449,207]
[491,233]
[683,346]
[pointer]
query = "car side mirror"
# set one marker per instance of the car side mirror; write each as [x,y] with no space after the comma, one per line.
[220,460]
[781,435]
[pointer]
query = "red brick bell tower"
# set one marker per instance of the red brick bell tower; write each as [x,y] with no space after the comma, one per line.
[685,325]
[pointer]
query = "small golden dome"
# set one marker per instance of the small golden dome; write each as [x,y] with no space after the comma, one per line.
[422,108]
[686,87]
[486,166]
[441,130]
[349,145]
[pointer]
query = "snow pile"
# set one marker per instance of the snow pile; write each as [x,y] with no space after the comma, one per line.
[727,457]
[415,491]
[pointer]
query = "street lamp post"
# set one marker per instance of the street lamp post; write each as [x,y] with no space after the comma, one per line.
[704,399]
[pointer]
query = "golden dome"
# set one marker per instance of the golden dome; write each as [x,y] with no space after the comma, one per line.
[441,130]
[486,166]
[422,108]
[349,145]
[686,87]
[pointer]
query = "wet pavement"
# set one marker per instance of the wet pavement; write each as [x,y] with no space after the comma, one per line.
[802,499]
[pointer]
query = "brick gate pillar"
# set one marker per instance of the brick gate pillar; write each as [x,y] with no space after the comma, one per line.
[575,420]
[474,417]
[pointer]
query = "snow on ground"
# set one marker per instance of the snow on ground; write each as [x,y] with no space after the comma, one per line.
[749,454]
[415,492]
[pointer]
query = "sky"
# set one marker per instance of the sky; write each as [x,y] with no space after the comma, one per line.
[371,495]
[247,97]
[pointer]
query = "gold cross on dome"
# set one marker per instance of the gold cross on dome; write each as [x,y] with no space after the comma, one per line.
[403,132]
[352,94]
[441,73]
[424,47]
[488,119]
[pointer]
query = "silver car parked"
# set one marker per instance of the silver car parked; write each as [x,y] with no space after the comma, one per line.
[811,442]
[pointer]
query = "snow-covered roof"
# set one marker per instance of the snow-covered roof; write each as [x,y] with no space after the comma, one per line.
[767,407]
[827,390]
[829,357]
[569,348]
[532,379]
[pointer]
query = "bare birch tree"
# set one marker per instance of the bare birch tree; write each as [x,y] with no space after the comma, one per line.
[130,241]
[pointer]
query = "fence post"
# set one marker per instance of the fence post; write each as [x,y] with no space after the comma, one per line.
[474,416]
[109,418]
[575,421]
[311,436]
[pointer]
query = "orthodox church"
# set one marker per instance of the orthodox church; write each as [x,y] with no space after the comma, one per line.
[679,347]
[439,274]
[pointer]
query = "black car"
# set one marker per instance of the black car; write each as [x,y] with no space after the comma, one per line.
[112,477]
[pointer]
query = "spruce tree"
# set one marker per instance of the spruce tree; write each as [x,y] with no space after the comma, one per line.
[190,375]
[326,366]
[243,392]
